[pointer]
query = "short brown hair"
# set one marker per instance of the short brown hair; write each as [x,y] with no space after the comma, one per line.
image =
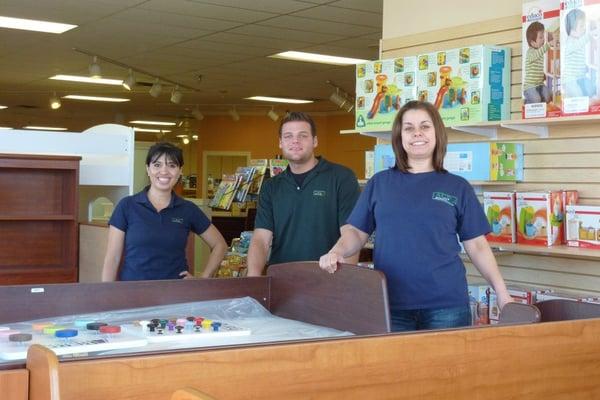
[532,31]
[441,137]
[298,116]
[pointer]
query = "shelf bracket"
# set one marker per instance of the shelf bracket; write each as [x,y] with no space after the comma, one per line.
[538,130]
[487,131]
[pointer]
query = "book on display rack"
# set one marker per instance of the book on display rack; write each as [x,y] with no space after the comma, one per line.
[226,192]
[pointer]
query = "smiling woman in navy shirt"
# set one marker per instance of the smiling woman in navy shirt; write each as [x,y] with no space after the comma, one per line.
[417,211]
[153,226]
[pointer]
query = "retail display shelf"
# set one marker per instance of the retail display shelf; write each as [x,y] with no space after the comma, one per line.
[37,217]
[555,251]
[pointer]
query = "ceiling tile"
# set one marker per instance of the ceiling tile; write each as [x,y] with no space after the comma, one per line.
[314,25]
[343,15]
[206,10]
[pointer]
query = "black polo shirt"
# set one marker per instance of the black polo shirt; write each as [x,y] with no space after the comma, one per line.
[155,241]
[306,220]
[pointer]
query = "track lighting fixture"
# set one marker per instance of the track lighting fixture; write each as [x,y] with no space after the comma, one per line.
[194,137]
[197,114]
[129,81]
[176,95]
[155,89]
[54,102]
[185,140]
[234,114]
[95,71]
[272,114]
[341,99]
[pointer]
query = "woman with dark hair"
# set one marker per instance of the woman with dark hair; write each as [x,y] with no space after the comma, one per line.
[419,212]
[153,226]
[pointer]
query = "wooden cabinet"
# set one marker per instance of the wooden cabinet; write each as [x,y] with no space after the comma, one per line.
[38,218]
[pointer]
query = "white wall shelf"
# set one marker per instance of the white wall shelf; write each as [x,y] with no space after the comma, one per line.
[539,127]
[555,251]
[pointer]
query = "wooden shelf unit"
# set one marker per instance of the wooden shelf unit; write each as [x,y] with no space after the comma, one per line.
[38,218]
[556,251]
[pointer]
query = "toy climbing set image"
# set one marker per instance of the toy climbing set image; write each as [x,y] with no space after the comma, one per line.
[467,85]
[580,56]
[541,59]
[382,87]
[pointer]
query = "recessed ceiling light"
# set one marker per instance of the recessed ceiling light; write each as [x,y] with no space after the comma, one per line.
[135,128]
[95,98]
[87,79]
[45,128]
[3,107]
[142,122]
[34,25]
[317,58]
[279,99]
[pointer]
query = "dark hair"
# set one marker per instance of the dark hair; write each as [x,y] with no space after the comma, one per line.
[571,19]
[298,116]
[172,152]
[532,31]
[441,138]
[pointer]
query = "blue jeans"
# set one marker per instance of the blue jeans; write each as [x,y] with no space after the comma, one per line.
[433,318]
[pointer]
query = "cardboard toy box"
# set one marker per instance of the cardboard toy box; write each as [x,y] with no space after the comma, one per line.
[499,208]
[541,48]
[495,161]
[580,56]
[369,164]
[583,226]
[540,217]
[384,157]
[569,198]
[467,85]
[382,87]
[479,300]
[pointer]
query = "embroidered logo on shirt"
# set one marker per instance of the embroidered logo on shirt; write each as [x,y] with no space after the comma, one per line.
[319,193]
[177,220]
[444,197]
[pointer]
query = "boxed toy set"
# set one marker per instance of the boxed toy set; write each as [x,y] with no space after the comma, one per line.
[541,59]
[467,85]
[384,157]
[580,56]
[382,87]
[495,161]
[583,226]
[499,208]
[479,303]
[540,218]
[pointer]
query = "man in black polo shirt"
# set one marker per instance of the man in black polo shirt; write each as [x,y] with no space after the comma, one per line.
[302,210]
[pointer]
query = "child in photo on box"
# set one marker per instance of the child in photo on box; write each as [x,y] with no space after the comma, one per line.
[575,81]
[534,87]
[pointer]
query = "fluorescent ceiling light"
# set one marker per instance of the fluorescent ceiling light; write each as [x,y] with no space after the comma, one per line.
[44,128]
[87,79]
[4,128]
[142,122]
[34,25]
[279,99]
[95,98]
[3,107]
[317,58]
[135,128]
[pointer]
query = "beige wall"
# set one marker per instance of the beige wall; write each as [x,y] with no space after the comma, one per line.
[407,17]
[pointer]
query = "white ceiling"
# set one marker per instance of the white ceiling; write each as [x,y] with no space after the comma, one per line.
[225,42]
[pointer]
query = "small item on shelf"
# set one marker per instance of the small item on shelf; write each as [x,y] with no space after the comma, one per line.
[485,161]
[540,218]
[225,192]
[499,208]
[233,266]
[583,226]
[541,59]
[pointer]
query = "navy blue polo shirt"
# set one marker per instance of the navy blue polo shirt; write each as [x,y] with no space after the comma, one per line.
[418,220]
[155,242]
